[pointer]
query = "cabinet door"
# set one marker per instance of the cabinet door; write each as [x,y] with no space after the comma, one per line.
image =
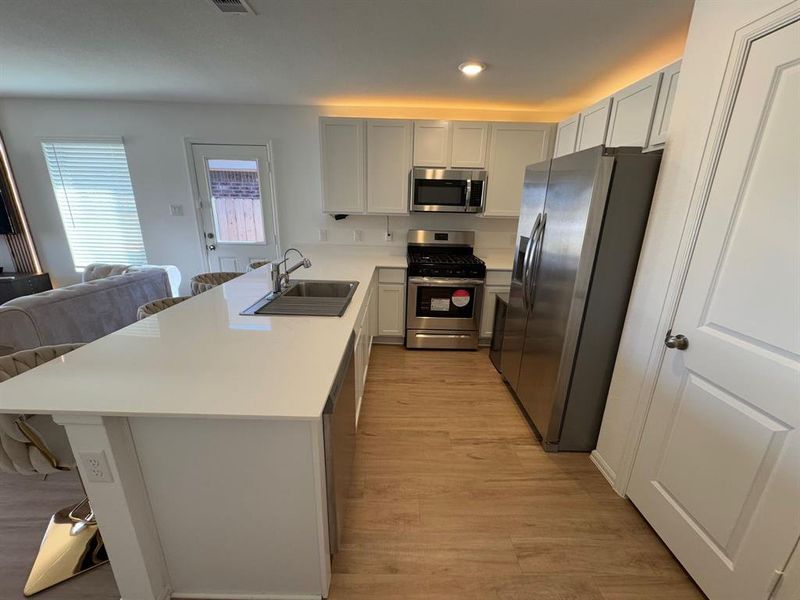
[593,126]
[432,144]
[342,159]
[666,96]
[566,136]
[470,141]
[513,146]
[388,165]
[391,309]
[487,313]
[632,113]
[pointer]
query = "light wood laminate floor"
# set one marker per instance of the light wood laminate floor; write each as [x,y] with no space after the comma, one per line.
[452,499]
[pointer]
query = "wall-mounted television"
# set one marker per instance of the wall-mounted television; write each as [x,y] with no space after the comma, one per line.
[6,221]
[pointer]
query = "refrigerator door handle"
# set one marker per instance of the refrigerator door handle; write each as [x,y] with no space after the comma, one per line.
[530,288]
[526,262]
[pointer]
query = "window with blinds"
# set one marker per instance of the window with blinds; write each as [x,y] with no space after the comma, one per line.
[95,197]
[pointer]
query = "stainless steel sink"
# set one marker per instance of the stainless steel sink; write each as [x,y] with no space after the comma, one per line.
[321,289]
[307,298]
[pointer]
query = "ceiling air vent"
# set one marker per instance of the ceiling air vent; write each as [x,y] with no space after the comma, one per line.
[232,7]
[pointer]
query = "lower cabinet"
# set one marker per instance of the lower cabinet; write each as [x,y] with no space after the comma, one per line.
[391,320]
[391,309]
[497,282]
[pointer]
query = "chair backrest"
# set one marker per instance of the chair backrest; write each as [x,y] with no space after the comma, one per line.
[206,281]
[82,312]
[35,444]
[156,306]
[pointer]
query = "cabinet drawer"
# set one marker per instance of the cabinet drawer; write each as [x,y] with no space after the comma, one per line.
[498,277]
[391,275]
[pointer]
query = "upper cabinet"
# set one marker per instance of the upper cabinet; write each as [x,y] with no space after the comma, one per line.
[594,125]
[432,144]
[635,116]
[513,146]
[566,136]
[666,96]
[450,144]
[469,145]
[632,113]
[366,163]
[342,159]
[388,165]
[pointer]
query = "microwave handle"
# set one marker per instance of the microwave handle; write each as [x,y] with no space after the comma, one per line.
[468,195]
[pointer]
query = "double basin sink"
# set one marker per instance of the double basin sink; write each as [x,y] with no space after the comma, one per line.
[307,298]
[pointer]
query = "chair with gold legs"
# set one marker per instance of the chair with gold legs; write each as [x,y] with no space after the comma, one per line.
[36,445]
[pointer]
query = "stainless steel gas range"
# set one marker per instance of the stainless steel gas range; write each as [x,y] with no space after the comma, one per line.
[445,290]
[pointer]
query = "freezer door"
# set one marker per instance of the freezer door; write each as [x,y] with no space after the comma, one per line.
[532,206]
[575,201]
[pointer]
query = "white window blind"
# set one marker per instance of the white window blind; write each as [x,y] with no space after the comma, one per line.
[95,197]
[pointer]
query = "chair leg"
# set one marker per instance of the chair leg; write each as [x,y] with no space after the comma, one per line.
[72,545]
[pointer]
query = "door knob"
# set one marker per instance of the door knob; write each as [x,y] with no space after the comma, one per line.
[677,342]
[211,247]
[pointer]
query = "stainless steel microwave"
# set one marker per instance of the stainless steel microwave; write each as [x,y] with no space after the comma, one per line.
[448,190]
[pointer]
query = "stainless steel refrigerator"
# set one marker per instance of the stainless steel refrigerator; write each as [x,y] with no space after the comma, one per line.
[582,221]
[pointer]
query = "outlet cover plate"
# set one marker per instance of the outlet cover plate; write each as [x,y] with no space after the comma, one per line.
[96,466]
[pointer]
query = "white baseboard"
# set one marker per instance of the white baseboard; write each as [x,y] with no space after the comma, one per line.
[605,469]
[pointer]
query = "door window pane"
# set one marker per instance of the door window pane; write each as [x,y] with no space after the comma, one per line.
[236,201]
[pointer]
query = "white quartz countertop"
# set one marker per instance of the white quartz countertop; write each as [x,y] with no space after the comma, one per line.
[201,358]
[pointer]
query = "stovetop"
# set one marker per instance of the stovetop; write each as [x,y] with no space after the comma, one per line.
[438,262]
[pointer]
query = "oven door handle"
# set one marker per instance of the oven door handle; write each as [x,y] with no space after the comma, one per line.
[443,281]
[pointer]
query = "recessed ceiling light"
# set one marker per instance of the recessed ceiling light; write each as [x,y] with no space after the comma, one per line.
[470,69]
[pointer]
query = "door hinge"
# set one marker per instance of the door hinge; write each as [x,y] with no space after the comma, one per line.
[774,582]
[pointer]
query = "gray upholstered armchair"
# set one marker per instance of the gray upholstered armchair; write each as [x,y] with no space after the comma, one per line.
[36,445]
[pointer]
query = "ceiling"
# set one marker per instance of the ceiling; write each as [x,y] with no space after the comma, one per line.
[551,56]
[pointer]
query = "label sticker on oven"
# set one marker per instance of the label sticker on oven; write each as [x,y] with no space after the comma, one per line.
[440,304]
[460,298]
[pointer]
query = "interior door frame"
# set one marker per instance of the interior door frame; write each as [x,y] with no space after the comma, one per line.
[683,249]
[195,191]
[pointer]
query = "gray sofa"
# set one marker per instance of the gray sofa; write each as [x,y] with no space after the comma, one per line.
[82,312]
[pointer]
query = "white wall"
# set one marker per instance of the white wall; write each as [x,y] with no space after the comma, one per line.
[154,134]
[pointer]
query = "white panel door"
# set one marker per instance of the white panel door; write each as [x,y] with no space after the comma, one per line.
[666,96]
[470,141]
[718,469]
[513,146]
[593,125]
[388,166]
[391,309]
[432,144]
[236,204]
[632,113]
[566,136]
[342,157]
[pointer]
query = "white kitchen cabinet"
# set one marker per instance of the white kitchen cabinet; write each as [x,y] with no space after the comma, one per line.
[487,312]
[391,309]
[342,159]
[469,145]
[389,148]
[666,96]
[432,144]
[512,147]
[594,125]
[632,113]
[566,136]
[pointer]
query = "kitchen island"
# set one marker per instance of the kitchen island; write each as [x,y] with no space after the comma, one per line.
[211,425]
